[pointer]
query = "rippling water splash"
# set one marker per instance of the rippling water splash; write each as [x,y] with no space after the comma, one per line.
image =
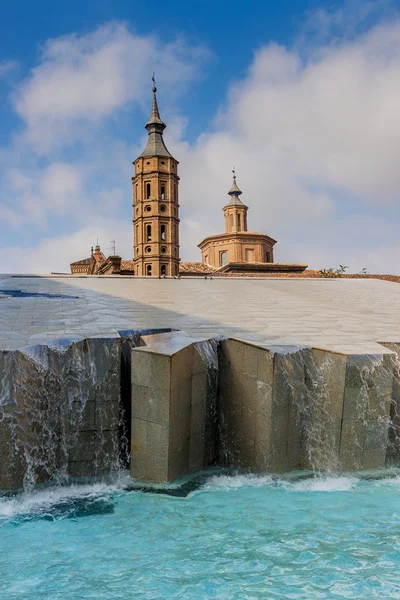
[236,536]
[51,501]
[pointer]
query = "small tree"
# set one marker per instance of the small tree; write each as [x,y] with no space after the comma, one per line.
[334,272]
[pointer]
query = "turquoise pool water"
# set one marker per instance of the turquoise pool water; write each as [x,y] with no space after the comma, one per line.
[236,537]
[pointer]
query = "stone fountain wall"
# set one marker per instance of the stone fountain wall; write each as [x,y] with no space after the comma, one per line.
[174,412]
[276,409]
[59,411]
[258,400]
[177,404]
[286,408]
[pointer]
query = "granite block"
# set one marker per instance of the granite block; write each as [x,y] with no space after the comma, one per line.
[199,387]
[159,371]
[250,360]
[140,401]
[265,367]
[159,401]
[139,437]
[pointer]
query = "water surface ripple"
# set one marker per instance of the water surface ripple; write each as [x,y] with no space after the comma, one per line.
[235,538]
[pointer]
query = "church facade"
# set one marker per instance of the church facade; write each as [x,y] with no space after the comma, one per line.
[237,246]
[155,187]
[89,266]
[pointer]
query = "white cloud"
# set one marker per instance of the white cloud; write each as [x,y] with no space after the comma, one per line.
[61,185]
[314,136]
[334,122]
[81,80]
[315,142]
[65,160]
[56,189]
[338,23]
[54,254]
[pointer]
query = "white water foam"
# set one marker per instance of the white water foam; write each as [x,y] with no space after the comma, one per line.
[392,481]
[235,482]
[325,484]
[42,501]
[314,484]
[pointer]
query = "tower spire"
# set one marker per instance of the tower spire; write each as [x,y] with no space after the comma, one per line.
[156,203]
[155,126]
[235,192]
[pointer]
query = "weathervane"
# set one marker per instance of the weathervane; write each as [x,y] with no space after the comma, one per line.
[154,82]
[234,172]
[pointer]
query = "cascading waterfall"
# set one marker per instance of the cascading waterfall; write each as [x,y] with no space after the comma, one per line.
[347,417]
[309,409]
[60,411]
[65,408]
[366,426]
[208,352]
[319,425]
[393,450]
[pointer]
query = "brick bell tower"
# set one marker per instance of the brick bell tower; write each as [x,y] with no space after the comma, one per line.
[155,204]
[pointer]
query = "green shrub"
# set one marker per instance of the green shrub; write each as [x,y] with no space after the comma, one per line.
[333,272]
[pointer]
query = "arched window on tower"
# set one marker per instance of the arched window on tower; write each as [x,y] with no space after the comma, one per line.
[232,222]
[175,195]
[163,191]
[148,190]
[148,270]
[163,232]
[163,269]
[136,192]
[223,258]
[238,223]
[148,233]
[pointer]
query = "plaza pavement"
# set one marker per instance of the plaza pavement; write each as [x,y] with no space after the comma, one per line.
[343,315]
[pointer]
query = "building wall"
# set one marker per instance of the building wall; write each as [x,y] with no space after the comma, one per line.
[239,250]
[235,219]
[79,269]
[156,216]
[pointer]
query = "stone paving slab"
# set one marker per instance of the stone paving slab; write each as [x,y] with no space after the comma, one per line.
[341,315]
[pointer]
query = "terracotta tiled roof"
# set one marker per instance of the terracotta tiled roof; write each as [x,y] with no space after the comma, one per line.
[85,261]
[127,265]
[99,257]
[195,267]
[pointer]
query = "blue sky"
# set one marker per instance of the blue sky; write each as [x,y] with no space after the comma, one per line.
[231,33]
[302,96]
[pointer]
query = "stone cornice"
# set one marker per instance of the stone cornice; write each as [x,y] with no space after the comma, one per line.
[243,236]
